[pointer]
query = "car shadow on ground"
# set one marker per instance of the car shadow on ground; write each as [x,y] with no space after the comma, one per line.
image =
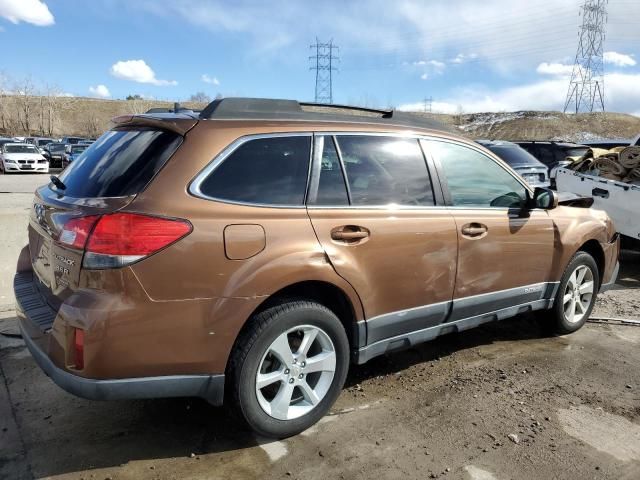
[86,435]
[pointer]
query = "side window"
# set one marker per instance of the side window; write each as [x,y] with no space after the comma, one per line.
[475,180]
[270,171]
[331,187]
[383,170]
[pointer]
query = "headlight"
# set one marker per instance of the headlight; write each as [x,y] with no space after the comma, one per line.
[10,161]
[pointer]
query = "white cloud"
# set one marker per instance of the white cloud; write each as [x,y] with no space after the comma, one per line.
[137,71]
[463,57]
[100,91]
[65,94]
[619,59]
[212,80]
[428,67]
[621,95]
[554,69]
[35,12]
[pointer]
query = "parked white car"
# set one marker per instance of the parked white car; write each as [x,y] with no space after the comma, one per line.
[22,157]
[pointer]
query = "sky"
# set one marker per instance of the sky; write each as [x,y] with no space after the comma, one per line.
[466,55]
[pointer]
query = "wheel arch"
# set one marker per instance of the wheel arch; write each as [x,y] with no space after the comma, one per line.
[593,248]
[323,292]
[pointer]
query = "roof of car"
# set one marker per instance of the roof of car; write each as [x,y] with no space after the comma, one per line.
[292,110]
[18,144]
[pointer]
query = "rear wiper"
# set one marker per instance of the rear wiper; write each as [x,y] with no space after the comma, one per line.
[57,182]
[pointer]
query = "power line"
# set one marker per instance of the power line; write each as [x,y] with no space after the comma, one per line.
[586,87]
[324,68]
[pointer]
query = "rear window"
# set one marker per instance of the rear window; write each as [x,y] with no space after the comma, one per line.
[268,171]
[514,155]
[119,163]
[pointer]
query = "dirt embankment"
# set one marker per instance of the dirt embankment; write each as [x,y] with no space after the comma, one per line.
[58,116]
[529,125]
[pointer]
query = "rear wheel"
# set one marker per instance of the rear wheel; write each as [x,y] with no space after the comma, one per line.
[576,294]
[288,367]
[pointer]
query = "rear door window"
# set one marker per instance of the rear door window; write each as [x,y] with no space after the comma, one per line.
[120,163]
[384,170]
[265,171]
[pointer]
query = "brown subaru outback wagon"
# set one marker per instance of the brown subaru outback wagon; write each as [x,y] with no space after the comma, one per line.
[250,253]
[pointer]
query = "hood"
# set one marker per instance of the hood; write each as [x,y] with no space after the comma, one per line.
[22,156]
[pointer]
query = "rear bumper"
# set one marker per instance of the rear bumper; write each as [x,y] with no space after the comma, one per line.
[209,387]
[36,316]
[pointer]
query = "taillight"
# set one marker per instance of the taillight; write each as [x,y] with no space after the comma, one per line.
[76,231]
[78,345]
[119,239]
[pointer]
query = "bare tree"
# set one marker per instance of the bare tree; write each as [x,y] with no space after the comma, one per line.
[25,91]
[93,128]
[4,102]
[200,97]
[138,105]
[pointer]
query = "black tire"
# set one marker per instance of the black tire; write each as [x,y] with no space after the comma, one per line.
[558,323]
[250,348]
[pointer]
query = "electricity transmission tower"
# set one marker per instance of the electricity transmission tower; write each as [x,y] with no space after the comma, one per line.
[428,102]
[586,87]
[324,59]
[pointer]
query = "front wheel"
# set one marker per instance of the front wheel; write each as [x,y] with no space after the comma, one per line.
[288,368]
[576,294]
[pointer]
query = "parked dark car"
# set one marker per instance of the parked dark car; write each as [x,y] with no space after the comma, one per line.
[54,152]
[610,143]
[72,152]
[4,140]
[554,154]
[528,167]
[71,140]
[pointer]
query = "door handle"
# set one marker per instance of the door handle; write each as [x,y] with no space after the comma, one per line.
[349,234]
[474,230]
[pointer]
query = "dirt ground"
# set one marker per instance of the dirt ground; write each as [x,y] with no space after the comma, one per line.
[503,401]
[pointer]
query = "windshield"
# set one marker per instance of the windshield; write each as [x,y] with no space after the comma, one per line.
[576,152]
[20,149]
[76,150]
[43,141]
[514,155]
[119,163]
[58,147]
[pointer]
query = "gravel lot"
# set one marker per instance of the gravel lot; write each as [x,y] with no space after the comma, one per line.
[499,402]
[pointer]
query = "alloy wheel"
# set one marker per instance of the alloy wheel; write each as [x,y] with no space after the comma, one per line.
[295,372]
[578,294]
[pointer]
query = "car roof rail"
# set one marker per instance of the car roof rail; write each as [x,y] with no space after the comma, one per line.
[238,108]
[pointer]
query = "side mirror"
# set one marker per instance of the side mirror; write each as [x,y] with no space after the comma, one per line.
[544,198]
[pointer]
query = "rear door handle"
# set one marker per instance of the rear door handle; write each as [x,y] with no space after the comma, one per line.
[349,234]
[474,230]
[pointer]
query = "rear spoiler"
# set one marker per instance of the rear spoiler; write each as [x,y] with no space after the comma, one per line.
[176,123]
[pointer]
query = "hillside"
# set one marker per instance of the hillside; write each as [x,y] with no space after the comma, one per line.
[58,116]
[529,125]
